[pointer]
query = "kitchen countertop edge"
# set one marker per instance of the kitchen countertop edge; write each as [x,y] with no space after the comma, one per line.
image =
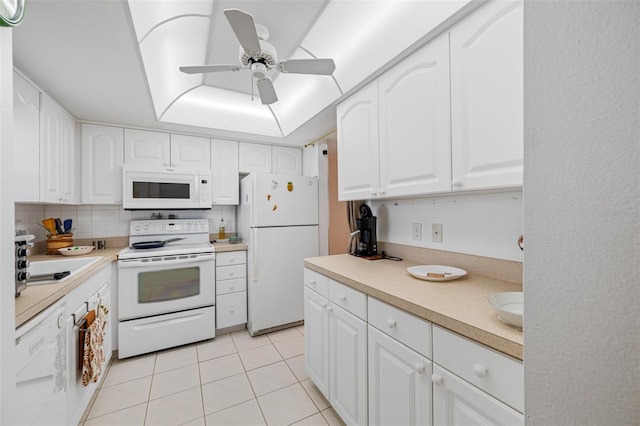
[502,338]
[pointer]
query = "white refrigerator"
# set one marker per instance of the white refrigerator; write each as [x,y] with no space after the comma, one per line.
[278,220]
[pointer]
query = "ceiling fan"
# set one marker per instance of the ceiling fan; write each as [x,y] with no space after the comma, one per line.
[260,56]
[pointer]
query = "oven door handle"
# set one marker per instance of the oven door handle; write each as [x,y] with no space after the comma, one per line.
[138,263]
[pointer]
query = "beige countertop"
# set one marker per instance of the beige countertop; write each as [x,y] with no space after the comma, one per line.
[36,298]
[460,305]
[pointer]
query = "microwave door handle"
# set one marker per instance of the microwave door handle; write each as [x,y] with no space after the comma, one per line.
[137,263]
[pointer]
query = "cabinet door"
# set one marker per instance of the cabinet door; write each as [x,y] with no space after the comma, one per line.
[358,166]
[415,124]
[456,402]
[348,366]
[316,340]
[225,178]
[191,152]
[487,97]
[254,158]
[69,157]
[26,152]
[399,383]
[231,309]
[145,148]
[287,161]
[52,157]
[102,159]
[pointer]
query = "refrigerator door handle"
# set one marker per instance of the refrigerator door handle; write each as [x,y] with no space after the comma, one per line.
[254,241]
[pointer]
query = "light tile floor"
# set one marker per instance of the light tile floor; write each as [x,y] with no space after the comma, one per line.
[234,379]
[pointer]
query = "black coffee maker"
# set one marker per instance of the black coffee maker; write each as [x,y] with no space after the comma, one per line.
[367,241]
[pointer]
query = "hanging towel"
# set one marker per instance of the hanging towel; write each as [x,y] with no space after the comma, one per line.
[93,358]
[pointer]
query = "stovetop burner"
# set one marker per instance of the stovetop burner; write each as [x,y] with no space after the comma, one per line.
[194,234]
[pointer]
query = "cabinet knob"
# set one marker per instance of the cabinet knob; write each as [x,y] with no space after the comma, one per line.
[60,321]
[480,371]
[232,310]
[323,306]
[391,323]
[436,379]
[231,287]
[381,193]
[456,184]
[374,194]
[342,297]
[329,309]
[232,273]
[420,367]
[312,282]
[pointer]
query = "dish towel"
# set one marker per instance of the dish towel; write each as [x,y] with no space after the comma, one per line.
[93,358]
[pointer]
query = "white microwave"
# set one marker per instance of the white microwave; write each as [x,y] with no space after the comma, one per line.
[166,188]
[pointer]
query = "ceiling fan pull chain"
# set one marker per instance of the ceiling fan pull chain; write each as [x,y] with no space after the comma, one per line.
[251,82]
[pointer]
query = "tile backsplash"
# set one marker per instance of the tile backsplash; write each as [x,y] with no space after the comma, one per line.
[103,221]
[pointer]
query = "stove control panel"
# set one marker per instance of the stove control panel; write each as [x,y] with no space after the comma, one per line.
[169,226]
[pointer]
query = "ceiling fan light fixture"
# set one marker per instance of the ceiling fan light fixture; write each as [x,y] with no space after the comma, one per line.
[259,70]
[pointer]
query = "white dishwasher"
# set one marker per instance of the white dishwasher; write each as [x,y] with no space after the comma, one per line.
[41,370]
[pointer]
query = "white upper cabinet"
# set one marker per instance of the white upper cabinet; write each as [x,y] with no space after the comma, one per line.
[358,152]
[415,126]
[146,148]
[102,159]
[59,154]
[286,161]
[225,184]
[158,149]
[191,152]
[487,97]
[26,153]
[254,158]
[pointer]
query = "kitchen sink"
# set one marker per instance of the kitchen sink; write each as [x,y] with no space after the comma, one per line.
[73,265]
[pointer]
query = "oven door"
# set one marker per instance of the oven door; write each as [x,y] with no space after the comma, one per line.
[157,285]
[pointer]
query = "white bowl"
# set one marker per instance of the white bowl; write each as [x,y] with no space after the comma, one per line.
[510,307]
[75,250]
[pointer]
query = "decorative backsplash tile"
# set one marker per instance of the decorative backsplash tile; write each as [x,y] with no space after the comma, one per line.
[102,221]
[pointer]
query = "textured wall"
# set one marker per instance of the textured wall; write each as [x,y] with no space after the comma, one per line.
[582,212]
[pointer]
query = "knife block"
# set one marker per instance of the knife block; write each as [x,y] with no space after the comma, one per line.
[55,242]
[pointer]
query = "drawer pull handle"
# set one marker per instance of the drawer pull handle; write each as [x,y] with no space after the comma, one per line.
[232,310]
[420,368]
[231,259]
[312,282]
[323,306]
[391,323]
[437,379]
[232,273]
[342,297]
[480,371]
[231,287]
[330,309]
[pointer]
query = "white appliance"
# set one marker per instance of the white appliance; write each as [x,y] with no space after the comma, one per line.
[41,361]
[278,220]
[166,291]
[166,188]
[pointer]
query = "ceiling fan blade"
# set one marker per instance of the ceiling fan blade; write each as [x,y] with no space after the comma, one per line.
[245,29]
[307,66]
[267,91]
[209,68]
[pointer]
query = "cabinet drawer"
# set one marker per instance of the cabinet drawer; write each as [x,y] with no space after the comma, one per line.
[231,286]
[231,258]
[406,328]
[317,282]
[229,272]
[496,374]
[348,299]
[231,309]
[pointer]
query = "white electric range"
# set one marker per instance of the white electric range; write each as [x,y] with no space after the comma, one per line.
[166,289]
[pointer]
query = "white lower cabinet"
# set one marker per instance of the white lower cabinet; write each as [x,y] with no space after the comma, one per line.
[399,383]
[456,402]
[336,350]
[231,289]
[364,354]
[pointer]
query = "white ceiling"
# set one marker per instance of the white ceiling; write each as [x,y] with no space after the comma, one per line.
[86,55]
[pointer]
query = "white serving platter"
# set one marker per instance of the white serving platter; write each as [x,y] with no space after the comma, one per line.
[510,307]
[436,272]
[75,250]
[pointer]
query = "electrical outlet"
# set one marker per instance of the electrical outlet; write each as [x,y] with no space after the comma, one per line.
[417,231]
[436,232]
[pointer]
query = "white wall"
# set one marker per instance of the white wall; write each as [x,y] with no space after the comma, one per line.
[479,224]
[7,248]
[582,212]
